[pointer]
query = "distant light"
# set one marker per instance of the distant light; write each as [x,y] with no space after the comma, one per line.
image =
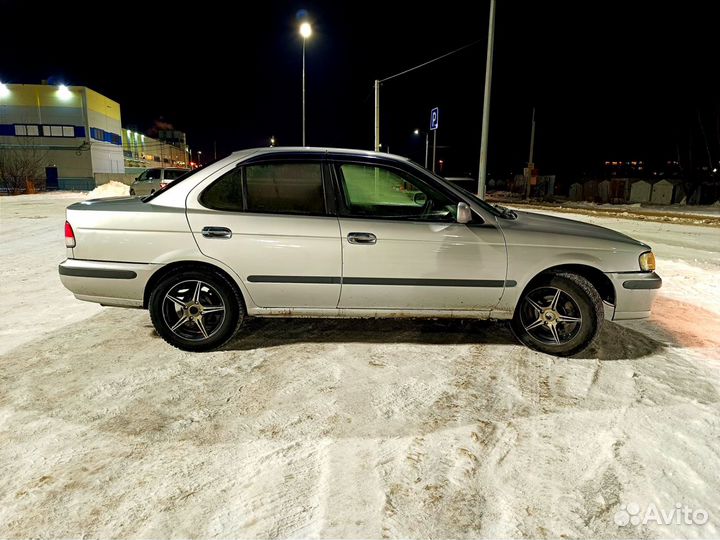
[416,132]
[142,138]
[4,90]
[305,30]
[715,169]
[128,133]
[63,92]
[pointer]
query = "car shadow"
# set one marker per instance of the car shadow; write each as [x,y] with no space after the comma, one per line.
[615,342]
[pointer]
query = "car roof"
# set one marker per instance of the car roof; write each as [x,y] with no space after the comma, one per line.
[316,150]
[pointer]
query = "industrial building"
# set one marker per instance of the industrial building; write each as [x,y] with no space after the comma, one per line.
[75,135]
[74,131]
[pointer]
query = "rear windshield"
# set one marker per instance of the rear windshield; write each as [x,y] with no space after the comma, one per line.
[173,184]
[171,174]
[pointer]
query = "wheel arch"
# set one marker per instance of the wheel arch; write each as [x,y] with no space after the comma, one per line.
[167,269]
[597,279]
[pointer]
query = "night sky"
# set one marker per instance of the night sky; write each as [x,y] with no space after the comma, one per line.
[610,80]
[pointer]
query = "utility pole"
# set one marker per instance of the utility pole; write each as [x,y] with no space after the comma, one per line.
[531,164]
[377,115]
[482,177]
[215,150]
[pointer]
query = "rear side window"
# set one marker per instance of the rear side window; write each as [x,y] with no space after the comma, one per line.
[225,194]
[285,188]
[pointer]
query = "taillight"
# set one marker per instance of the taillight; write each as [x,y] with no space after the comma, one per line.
[69,236]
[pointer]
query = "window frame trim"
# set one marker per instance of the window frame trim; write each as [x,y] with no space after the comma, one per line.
[343,211]
[271,160]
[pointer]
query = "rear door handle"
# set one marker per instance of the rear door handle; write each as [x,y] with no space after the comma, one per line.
[362,238]
[216,232]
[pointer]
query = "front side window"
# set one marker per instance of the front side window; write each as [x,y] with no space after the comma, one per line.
[285,188]
[382,193]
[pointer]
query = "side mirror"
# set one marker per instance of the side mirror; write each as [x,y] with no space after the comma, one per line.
[464,214]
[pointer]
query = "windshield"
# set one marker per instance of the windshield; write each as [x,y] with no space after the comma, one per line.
[467,194]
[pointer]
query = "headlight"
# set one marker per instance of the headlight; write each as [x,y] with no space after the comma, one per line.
[647,261]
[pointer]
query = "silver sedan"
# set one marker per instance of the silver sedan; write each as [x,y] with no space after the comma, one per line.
[322,232]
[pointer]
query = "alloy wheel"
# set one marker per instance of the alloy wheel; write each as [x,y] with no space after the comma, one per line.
[193,310]
[550,315]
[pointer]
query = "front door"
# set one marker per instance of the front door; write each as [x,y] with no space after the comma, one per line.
[402,246]
[268,221]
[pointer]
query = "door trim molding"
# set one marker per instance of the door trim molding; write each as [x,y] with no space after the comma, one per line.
[413,282]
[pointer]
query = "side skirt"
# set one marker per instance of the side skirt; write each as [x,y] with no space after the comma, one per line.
[378,313]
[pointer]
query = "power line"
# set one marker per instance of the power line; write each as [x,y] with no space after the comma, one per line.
[431,61]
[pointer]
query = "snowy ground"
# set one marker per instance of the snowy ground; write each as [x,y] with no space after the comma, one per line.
[351,429]
[674,213]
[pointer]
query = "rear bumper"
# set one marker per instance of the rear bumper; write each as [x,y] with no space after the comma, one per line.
[107,283]
[634,294]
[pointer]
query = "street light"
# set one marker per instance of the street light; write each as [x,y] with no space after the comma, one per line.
[427,142]
[272,141]
[199,154]
[305,32]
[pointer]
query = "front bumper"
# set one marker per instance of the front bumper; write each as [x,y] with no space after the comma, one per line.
[634,294]
[107,283]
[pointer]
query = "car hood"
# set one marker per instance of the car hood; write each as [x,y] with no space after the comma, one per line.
[551,225]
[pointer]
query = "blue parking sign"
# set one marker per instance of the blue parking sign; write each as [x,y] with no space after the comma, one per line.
[434,114]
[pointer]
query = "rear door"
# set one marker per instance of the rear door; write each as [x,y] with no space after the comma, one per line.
[402,246]
[269,221]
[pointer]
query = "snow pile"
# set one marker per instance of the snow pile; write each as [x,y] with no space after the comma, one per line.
[111,189]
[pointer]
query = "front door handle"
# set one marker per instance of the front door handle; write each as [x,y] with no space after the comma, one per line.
[362,238]
[216,232]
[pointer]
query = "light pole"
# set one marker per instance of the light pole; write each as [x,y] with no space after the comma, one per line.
[427,143]
[305,32]
[486,103]
[378,82]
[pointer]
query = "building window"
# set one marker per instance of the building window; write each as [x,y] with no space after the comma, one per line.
[24,130]
[68,131]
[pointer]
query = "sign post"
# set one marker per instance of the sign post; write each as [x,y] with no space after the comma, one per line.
[434,123]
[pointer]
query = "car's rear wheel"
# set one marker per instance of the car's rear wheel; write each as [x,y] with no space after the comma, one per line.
[196,310]
[560,314]
[132,192]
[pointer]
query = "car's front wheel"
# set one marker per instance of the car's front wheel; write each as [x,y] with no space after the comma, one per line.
[561,314]
[196,310]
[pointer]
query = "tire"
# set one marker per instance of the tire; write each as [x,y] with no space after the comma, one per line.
[213,310]
[132,192]
[577,316]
